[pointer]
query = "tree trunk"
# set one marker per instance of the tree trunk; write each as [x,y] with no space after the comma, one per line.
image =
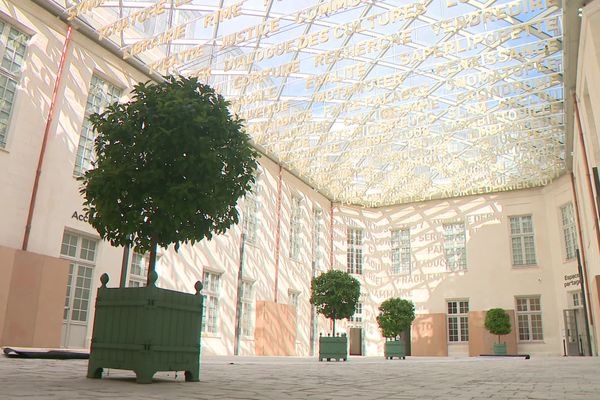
[152,260]
[334,325]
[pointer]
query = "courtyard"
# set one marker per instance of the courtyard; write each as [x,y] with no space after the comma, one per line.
[423,378]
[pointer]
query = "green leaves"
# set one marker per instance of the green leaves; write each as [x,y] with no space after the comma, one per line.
[171,165]
[395,316]
[335,294]
[497,322]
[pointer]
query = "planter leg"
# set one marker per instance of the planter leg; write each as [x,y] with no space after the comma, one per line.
[192,375]
[94,372]
[144,376]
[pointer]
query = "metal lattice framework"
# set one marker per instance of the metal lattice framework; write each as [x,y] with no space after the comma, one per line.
[371,102]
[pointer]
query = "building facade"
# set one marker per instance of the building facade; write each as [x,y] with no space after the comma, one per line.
[455,258]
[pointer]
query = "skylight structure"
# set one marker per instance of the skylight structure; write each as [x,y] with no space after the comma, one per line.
[370,102]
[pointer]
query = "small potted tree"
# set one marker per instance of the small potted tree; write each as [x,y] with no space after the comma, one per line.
[497,322]
[171,165]
[334,295]
[396,315]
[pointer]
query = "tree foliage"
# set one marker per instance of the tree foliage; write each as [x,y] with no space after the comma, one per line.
[335,294]
[395,316]
[497,322]
[171,165]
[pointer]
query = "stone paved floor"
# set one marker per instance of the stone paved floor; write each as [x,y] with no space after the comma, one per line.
[306,378]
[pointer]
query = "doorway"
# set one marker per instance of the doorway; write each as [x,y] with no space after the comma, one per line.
[575,338]
[356,342]
[81,252]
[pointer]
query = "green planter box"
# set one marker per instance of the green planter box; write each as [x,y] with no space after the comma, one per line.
[394,348]
[333,347]
[500,349]
[146,329]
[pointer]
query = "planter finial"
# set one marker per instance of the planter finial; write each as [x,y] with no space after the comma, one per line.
[198,287]
[104,279]
[152,278]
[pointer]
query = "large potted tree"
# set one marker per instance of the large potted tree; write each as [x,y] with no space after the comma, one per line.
[497,322]
[334,295]
[171,165]
[396,315]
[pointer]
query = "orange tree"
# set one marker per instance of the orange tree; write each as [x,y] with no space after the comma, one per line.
[171,164]
[335,294]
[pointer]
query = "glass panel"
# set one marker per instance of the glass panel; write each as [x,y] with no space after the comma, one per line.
[82,293]
[523,321]
[88,249]
[69,245]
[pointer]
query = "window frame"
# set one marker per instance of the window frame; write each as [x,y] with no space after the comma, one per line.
[569,230]
[12,76]
[397,252]
[522,236]
[251,220]
[247,308]
[79,166]
[354,250]
[135,279]
[209,294]
[317,225]
[77,262]
[295,227]
[529,313]
[450,239]
[459,316]
[358,316]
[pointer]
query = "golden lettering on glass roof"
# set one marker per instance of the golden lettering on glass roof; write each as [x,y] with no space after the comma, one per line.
[371,102]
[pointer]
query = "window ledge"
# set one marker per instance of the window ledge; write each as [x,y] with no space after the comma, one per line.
[525,266]
[209,335]
[531,342]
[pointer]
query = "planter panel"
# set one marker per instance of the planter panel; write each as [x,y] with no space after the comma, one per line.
[394,348]
[146,329]
[333,347]
[500,349]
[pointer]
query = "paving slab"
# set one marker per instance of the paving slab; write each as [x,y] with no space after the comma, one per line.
[278,378]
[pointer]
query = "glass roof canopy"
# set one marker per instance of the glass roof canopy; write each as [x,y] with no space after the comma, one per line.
[371,102]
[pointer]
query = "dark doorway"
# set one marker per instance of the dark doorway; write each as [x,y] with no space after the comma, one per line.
[356,342]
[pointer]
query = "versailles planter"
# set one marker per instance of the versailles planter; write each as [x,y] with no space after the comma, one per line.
[500,349]
[146,330]
[333,347]
[394,348]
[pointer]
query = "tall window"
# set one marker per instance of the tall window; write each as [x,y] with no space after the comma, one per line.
[13,46]
[138,270]
[251,212]
[101,94]
[247,310]
[296,228]
[316,237]
[575,299]
[455,246]
[458,321]
[523,247]
[569,233]
[401,251]
[529,318]
[294,300]
[358,313]
[81,252]
[354,252]
[211,290]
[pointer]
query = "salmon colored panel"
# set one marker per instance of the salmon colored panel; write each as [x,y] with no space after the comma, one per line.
[429,335]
